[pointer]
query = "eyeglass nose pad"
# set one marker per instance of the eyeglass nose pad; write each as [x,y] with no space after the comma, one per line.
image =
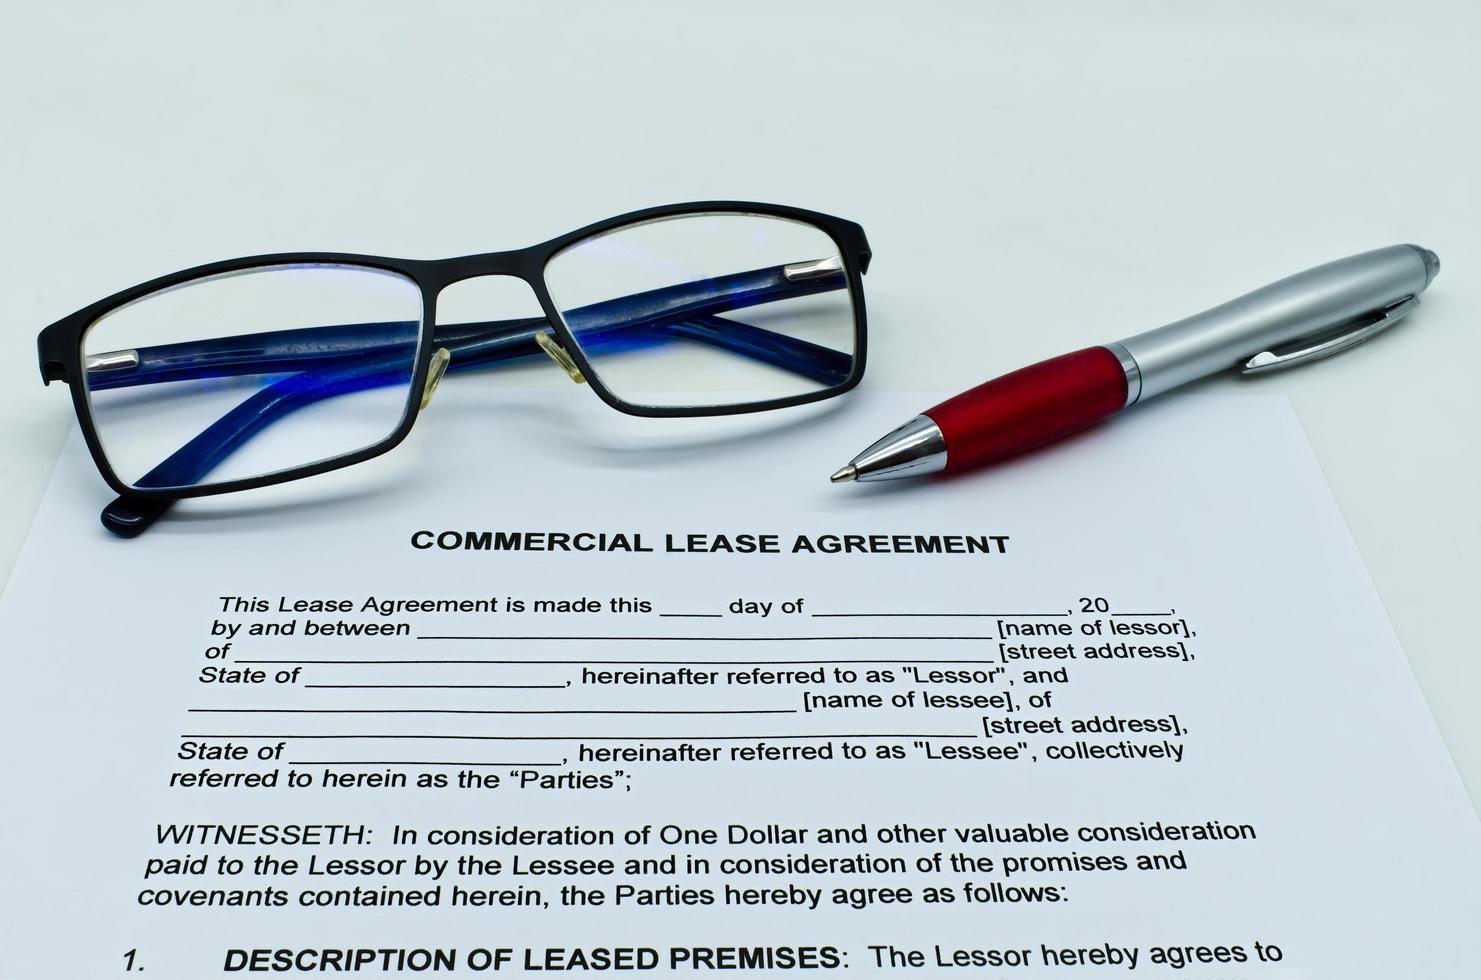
[435,371]
[559,355]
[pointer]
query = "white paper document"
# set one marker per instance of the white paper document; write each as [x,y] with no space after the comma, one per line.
[552,690]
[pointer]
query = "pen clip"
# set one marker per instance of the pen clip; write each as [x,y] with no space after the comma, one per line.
[1350,336]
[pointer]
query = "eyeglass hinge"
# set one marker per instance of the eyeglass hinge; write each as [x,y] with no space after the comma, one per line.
[114,360]
[811,270]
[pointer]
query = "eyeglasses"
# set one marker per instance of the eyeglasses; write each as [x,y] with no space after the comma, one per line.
[255,371]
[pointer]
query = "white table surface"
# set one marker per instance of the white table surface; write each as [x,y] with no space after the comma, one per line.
[1033,178]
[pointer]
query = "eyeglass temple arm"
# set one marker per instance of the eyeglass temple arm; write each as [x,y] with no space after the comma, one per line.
[655,312]
[474,344]
[130,516]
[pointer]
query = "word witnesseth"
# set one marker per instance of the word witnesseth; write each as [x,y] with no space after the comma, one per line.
[738,544]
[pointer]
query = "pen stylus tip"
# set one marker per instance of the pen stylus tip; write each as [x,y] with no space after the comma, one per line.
[1431,263]
[844,475]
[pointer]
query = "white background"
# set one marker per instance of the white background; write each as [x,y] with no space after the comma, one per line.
[1033,178]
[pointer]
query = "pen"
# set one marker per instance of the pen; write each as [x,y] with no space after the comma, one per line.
[1304,317]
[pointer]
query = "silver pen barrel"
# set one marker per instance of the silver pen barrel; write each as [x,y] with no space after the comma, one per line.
[1297,307]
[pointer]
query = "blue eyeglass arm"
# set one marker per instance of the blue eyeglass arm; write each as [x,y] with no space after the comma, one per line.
[129,516]
[671,312]
[654,311]
[200,455]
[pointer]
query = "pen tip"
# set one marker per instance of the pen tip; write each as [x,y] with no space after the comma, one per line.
[844,475]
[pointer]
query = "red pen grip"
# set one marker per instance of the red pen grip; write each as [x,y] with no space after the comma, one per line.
[1030,407]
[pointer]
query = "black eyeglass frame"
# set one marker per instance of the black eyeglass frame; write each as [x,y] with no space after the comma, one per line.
[59,346]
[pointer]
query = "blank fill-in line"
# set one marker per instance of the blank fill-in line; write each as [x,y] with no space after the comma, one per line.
[938,616]
[907,615]
[595,738]
[449,687]
[718,639]
[413,762]
[488,711]
[1140,615]
[599,663]
[685,616]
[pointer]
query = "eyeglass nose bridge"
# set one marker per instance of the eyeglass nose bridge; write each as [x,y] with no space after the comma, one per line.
[468,300]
